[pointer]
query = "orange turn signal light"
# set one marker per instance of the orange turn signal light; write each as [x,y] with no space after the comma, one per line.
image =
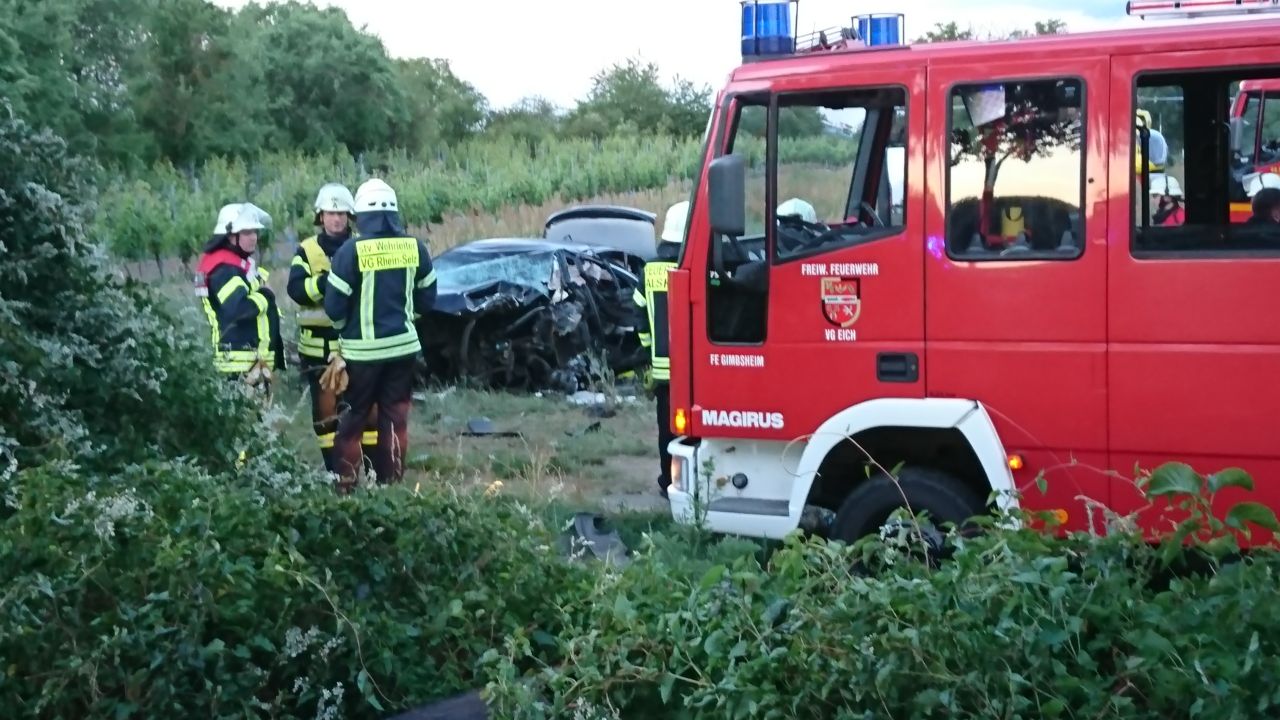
[1061,516]
[681,421]
[1015,462]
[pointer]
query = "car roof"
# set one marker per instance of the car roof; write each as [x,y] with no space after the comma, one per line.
[615,212]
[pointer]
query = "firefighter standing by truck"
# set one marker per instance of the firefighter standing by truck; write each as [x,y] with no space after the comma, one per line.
[317,338]
[378,285]
[654,334]
[244,320]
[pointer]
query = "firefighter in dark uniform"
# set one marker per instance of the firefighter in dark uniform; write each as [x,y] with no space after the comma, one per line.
[654,334]
[317,338]
[379,284]
[244,320]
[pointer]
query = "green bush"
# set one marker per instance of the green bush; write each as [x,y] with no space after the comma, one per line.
[165,591]
[1015,623]
[92,370]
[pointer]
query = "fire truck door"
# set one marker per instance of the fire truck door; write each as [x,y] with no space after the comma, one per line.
[1016,268]
[839,207]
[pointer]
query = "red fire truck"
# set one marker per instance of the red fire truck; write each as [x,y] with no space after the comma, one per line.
[1256,116]
[979,295]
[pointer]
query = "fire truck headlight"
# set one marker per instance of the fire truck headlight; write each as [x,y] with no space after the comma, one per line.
[677,474]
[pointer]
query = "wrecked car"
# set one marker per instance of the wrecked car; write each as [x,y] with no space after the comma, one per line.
[532,314]
[624,234]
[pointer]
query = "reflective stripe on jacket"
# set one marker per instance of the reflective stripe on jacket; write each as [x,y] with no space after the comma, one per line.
[378,286]
[655,335]
[308,280]
[238,313]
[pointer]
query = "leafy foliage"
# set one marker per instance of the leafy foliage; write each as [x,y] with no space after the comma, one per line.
[92,371]
[164,590]
[1014,623]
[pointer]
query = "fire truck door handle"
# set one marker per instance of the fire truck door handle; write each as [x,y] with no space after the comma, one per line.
[897,367]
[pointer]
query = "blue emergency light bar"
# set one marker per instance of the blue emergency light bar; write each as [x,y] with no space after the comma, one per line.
[768,31]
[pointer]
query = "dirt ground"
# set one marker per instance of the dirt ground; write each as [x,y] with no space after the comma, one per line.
[597,457]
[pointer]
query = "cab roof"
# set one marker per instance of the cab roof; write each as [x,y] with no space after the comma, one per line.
[1123,41]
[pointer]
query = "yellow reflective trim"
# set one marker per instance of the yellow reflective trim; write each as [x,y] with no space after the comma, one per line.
[366,306]
[408,299]
[232,285]
[326,440]
[312,286]
[386,254]
[382,348]
[370,437]
[426,281]
[638,298]
[261,302]
[317,260]
[339,284]
[297,260]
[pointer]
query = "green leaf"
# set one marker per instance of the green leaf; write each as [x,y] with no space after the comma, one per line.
[1252,512]
[1042,483]
[1231,477]
[1174,479]
[668,683]
[365,685]
[712,576]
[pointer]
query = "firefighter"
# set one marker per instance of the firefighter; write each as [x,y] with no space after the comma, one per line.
[1167,194]
[1266,207]
[654,331]
[317,339]
[378,285]
[243,317]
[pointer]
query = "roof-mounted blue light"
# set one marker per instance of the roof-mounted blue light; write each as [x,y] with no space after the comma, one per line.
[880,29]
[767,28]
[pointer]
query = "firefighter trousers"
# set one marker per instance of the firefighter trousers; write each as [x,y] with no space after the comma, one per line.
[662,393]
[388,384]
[325,409]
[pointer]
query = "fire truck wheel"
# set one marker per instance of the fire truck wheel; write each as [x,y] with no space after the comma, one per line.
[869,506]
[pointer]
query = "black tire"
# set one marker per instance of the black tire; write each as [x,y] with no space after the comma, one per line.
[944,497]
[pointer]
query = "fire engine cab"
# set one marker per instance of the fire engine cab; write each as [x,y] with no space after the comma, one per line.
[939,262]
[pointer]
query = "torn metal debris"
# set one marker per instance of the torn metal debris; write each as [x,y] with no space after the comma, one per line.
[541,313]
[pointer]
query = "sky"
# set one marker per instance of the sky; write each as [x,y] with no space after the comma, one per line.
[509,49]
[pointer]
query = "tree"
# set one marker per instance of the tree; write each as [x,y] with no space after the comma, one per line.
[329,84]
[946,32]
[443,108]
[629,97]
[532,120]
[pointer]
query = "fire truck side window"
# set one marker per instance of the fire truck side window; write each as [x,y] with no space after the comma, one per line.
[839,176]
[1015,187]
[1196,198]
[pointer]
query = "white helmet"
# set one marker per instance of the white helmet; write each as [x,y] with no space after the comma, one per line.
[236,217]
[375,196]
[250,217]
[1254,182]
[673,224]
[335,197]
[796,206]
[1162,184]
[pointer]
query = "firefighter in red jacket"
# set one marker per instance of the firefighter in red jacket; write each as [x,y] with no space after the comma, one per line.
[335,209]
[243,318]
[380,283]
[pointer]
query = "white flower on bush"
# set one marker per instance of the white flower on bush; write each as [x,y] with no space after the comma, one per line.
[296,643]
[106,512]
[324,711]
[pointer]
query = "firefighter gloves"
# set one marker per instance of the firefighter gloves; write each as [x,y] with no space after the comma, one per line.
[334,379]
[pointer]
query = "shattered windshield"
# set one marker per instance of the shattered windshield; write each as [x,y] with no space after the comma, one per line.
[458,271]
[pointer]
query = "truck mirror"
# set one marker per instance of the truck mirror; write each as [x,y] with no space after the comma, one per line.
[727,195]
[1236,134]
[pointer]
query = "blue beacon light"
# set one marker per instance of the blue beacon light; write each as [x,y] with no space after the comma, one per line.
[881,29]
[767,28]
